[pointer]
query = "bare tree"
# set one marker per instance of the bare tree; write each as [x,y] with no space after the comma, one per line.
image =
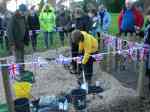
[3,4]
[146,3]
[53,2]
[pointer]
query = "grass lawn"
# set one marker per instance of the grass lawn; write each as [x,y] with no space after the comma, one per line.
[3,108]
[114,24]
[40,45]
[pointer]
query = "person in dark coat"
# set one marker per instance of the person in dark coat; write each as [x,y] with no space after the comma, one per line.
[61,21]
[1,31]
[17,29]
[147,41]
[34,25]
[81,22]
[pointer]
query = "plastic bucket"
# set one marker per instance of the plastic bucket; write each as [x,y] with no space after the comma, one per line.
[22,105]
[27,76]
[79,98]
[95,89]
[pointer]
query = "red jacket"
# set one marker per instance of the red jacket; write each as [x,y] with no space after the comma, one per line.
[139,19]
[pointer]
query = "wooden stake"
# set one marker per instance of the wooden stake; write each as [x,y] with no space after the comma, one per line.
[100,42]
[140,88]
[7,87]
[108,58]
[128,37]
[115,56]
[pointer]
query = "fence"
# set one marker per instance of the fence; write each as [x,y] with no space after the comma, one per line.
[120,61]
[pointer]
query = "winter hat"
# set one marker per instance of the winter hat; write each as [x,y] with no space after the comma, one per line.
[79,11]
[130,1]
[102,7]
[76,36]
[23,8]
[33,7]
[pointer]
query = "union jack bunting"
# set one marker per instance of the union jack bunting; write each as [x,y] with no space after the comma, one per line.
[119,44]
[98,57]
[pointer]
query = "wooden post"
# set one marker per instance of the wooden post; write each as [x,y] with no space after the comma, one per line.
[122,36]
[128,37]
[115,56]
[108,58]
[134,37]
[101,48]
[138,38]
[101,42]
[114,59]
[7,87]
[140,88]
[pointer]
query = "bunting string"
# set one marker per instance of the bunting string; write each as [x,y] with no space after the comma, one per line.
[132,50]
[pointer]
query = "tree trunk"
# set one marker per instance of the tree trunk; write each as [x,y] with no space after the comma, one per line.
[3,5]
[146,3]
[90,4]
[52,2]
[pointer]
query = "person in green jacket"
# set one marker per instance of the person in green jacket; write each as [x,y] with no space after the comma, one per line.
[47,23]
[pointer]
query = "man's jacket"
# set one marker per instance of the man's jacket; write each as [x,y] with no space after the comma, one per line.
[17,30]
[88,46]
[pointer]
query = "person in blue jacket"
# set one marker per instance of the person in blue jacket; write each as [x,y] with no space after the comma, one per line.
[95,22]
[105,19]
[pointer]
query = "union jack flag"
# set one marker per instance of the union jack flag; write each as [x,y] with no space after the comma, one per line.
[119,44]
[14,70]
[143,54]
[98,57]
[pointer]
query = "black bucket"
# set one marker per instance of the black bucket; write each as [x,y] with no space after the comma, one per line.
[95,89]
[79,98]
[22,105]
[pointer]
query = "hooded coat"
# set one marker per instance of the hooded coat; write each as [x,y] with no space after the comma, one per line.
[89,46]
[47,19]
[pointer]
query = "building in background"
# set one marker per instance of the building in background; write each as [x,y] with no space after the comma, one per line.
[3,5]
[12,5]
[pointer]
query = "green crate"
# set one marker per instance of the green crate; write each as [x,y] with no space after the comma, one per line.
[3,108]
[27,76]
